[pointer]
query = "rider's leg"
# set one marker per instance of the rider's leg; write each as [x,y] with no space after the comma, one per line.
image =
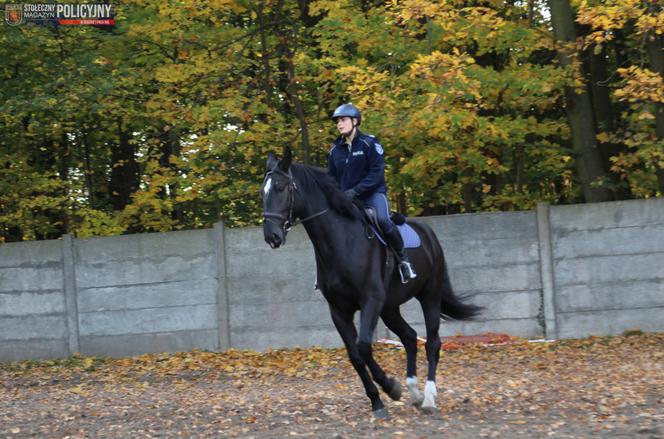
[379,202]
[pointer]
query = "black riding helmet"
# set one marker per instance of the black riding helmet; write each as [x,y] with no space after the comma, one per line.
[347,110]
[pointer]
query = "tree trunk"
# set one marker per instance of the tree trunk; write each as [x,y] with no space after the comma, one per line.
[655,49]
[519,168]
[292,90]
[605,116]
[265,56]
[124,172]
[299,111]
[63,172]
[579,109]
[171,147]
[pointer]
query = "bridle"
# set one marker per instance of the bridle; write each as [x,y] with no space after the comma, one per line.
[288,221]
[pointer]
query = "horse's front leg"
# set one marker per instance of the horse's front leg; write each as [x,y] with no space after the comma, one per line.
[369,314]
[343,321]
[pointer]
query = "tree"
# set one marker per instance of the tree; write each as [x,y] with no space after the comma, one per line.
[579,106]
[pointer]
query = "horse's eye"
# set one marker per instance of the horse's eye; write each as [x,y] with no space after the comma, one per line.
[279,187]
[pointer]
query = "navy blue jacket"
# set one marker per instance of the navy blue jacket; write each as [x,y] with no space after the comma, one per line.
[360,167]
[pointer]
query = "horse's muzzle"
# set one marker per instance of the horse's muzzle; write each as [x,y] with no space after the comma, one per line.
[273,240]
[273,235]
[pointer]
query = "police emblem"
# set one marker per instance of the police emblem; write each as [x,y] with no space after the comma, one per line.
[379,149]
[13,14]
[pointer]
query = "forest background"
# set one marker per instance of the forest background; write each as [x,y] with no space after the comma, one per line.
[163,122]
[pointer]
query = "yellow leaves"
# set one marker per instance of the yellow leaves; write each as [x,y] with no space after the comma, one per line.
[177,73]
[80,390]
[448,75]
[640,85]
[615,14]
[88,362]
[645,115]
[439,67]
[409,11]
[366,85]
[602,137]
[651,24]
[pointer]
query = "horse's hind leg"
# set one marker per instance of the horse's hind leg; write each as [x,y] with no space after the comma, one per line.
[431,309]
[396,323]
[343,321]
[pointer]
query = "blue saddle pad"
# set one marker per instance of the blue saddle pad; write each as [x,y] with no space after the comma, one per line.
[410,237]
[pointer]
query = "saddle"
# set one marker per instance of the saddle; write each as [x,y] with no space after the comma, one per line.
[410,237]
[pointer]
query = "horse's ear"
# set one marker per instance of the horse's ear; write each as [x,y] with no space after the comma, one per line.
[271,162]
[285,163]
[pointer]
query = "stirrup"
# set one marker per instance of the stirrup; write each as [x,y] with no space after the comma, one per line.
[406,272]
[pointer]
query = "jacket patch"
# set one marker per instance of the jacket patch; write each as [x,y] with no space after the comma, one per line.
[379,148]
[358,153]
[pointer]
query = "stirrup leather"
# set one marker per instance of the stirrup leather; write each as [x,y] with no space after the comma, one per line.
[406,271]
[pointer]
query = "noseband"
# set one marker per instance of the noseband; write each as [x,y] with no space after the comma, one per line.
[288,221]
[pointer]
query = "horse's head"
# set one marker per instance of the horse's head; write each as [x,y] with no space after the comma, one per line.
[278,192]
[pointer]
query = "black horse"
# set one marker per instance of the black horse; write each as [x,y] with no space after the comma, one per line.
[357,273]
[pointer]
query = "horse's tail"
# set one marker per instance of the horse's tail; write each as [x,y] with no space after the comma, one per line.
[452,306]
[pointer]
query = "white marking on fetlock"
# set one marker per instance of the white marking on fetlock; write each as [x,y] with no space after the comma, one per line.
[429,395]
[415,395]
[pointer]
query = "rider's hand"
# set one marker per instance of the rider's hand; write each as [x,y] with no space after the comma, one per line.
[350,193]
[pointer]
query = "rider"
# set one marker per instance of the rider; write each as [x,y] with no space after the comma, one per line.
[357,163]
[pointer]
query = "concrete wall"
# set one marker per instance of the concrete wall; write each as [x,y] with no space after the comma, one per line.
[271,295]
[33,317]
[608,267]
[146,293]
[493,260]
[565,271]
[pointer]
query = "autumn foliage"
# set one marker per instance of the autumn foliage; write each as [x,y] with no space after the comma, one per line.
[164,121]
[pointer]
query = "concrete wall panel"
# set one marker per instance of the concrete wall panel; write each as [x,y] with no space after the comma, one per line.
[165,294]
[47,276]
[18,254]
[607,269]
[14,350]
[608,322]
[139,270]
[611,295]
[26,304]
[136,344]
[46,327]
[138,321]
[613,241]
[607,215]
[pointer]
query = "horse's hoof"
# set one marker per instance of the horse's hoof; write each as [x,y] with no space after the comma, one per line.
[381,415]
[417,402]
[395,389]
[429,410]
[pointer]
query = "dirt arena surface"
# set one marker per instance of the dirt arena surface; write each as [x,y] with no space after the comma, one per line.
[597,387]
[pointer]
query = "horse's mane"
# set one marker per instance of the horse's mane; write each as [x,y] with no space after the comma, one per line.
[310,177]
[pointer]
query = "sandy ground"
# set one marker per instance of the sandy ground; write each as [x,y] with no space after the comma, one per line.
[598,387]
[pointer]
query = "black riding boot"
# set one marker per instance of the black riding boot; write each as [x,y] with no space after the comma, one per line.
[405,267]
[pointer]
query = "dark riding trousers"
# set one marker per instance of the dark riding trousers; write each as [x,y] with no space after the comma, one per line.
[379,202]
